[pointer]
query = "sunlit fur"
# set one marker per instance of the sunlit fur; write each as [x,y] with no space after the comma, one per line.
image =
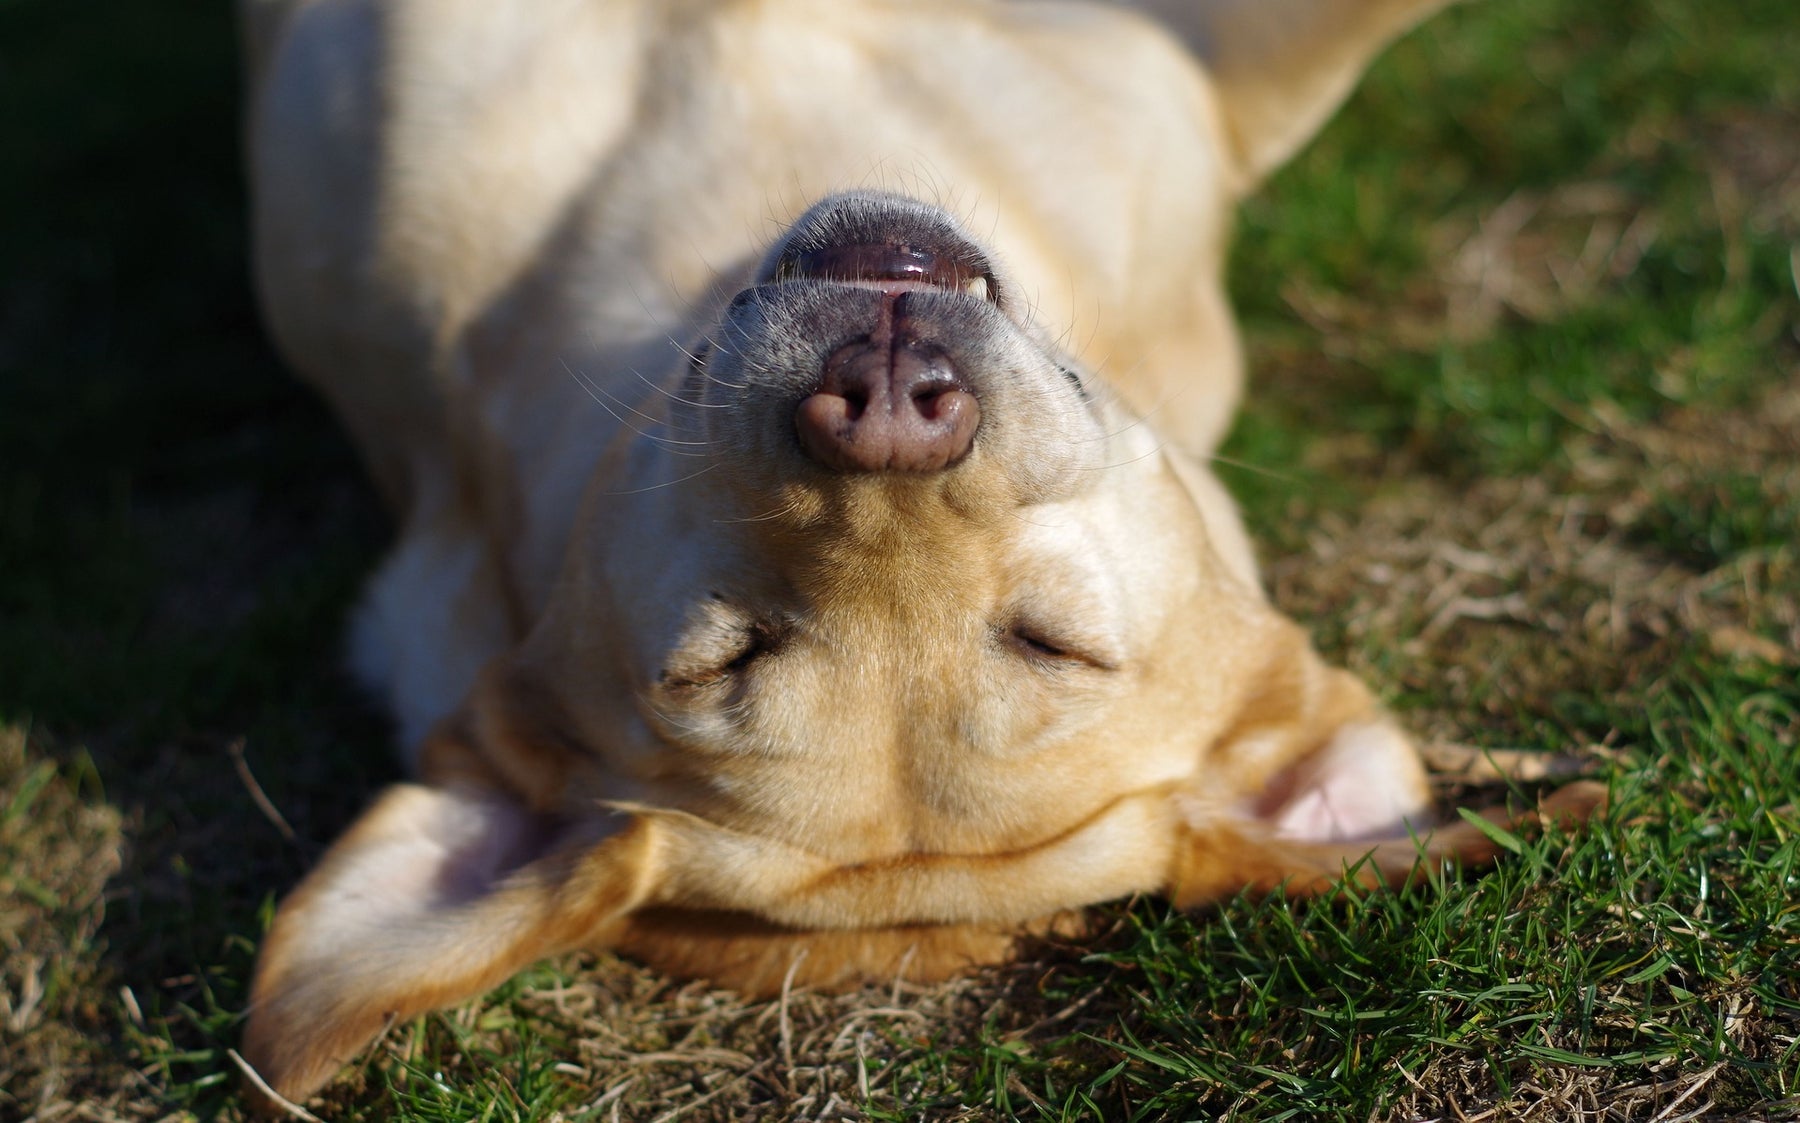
[671,686]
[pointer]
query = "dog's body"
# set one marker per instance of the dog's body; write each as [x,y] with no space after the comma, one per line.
[783,568]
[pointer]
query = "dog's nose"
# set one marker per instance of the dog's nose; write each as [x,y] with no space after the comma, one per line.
[889,403]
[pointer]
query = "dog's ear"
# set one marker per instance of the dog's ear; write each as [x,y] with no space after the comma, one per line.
[435,895]
[1321,783]
[1222,856]
[1283,66]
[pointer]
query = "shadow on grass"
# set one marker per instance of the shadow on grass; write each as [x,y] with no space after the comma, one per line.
[181,525]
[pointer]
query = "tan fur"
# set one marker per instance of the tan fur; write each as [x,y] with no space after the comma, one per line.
[750,955]
[670,687]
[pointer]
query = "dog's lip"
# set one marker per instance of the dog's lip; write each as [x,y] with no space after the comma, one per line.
[888,267]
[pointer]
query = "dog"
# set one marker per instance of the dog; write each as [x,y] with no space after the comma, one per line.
[797,415]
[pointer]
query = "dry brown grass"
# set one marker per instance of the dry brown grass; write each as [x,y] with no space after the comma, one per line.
[645,1048]
[1492,599]
[60,845]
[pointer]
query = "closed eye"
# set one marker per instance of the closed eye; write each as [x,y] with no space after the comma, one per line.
[1046,648]
[720,658]
[1035,645]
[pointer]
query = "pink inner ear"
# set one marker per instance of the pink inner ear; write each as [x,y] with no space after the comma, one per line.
[421,854]
[439,850]
[1366,783]
[481,840]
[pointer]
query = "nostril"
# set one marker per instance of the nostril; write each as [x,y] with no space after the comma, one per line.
[882,409]
[928,400]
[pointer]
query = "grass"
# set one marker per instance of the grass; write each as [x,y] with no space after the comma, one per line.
[1523,447]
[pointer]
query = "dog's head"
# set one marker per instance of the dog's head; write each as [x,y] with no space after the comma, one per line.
[892,573]
[888,615]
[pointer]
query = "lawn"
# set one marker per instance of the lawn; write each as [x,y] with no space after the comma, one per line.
[1523,449]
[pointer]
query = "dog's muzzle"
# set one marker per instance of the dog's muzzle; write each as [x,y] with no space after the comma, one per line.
[893,398]
[878,340]
[890,389]
[892,402]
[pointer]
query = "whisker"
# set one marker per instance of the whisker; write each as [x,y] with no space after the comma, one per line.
[1245,465]
[665,483]
[593,392]
[705,369]
[1157,450]
[1020,517]
[677,398]
[784,509]
[626,405]
[686,726]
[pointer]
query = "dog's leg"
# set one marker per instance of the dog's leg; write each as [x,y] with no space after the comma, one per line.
[259,29]
[436,612]
[1283,66]
[434,896]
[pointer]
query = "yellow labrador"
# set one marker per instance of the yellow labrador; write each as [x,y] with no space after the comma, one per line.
[797,412]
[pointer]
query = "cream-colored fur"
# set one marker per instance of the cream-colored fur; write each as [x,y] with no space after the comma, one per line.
[670,685]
